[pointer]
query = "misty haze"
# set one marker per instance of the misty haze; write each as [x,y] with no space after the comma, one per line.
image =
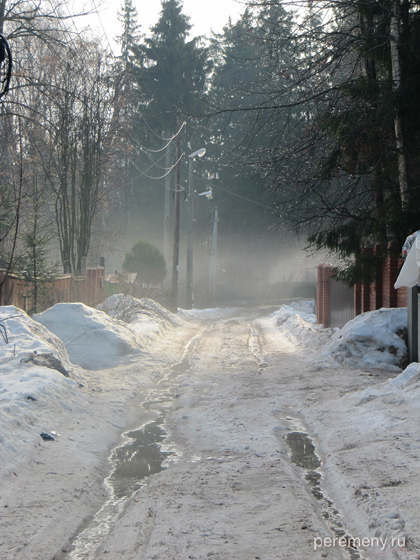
[209,311]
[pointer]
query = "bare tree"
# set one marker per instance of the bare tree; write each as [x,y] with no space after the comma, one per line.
[80,117]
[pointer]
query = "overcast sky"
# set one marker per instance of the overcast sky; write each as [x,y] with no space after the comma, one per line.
[206,15]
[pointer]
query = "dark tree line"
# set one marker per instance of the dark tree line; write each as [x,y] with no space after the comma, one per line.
[308,111]
[348,174]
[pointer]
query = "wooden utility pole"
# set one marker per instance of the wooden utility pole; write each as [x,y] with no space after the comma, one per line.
[167,206]
[212,275]
[175,256]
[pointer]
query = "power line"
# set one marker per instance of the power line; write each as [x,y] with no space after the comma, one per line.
[212,185]
[168,144]
[158,135]
[163,176]
[103,28]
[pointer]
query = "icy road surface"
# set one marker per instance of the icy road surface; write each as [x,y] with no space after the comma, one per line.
[240,409]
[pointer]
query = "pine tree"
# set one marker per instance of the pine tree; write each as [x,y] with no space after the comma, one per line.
[131,31]
[35,265]
[171,69]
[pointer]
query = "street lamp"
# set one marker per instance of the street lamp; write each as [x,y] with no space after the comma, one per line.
[190,281]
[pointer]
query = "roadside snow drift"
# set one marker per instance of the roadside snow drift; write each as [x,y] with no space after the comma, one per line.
[372,340]
[130,310]
[297,322]
[93,340]
[34,382]
[23,340]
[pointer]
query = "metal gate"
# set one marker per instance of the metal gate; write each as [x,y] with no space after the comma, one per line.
[341,304]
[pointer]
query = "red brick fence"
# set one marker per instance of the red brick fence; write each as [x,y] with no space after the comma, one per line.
[335,303]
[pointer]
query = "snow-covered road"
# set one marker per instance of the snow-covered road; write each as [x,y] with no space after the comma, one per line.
[230,391]
[231,492]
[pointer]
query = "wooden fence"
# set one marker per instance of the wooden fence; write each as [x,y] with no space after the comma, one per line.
[88,289]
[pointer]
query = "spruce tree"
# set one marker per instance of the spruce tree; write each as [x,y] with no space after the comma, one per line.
[171,70]
[130,36]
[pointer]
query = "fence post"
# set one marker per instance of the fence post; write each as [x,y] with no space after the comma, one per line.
[413,323]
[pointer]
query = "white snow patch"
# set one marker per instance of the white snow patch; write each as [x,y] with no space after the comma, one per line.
[287,312]
[30,388]
[306,306]
[211,314]
[145,318]
[23,338]
[299,326]
[370,340]
[93,340]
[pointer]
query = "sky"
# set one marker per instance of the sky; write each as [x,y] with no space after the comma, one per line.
[206,15]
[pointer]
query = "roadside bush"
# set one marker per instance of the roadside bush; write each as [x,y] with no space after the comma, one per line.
[147,261]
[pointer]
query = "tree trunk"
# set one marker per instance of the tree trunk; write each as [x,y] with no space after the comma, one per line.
[397,85]
[2,10]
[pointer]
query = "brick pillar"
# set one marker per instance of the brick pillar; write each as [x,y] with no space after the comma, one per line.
[391,268]
[366,289]
[357,299]
[365,298]
[325,271]
[376,288]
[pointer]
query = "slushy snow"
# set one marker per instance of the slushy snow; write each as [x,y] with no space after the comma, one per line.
[73,334]
[41,374]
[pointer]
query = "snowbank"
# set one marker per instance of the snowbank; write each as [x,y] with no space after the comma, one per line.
[34,382]
[371,340]
[298,323]
[23,340]
[146,319]
[408,377]
[93,340]
[130,310]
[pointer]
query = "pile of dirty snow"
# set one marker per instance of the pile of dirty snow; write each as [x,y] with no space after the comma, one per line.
[35,382]
[24,341]
[93,340]
[297,321]
[371,340]
[130,310]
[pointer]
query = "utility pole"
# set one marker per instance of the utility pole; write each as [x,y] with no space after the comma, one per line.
[190,280]
[190,260]
[212,276]
[167,207]
[175,256]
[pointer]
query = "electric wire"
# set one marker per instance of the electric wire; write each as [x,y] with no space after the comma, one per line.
[103,28]
[214,186]
[158,135]
[168,171]
[170,140]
